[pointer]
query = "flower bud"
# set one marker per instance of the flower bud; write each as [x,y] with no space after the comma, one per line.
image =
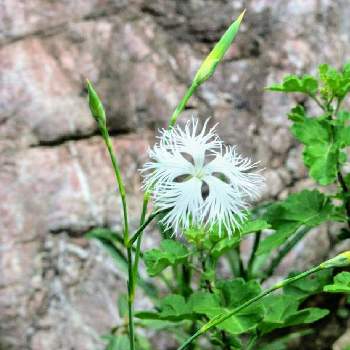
[208,66]
[95,104]
[341,260]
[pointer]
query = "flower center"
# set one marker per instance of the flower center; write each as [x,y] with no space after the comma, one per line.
[198,173]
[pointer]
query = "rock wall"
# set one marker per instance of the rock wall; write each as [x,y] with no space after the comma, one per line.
[58,291]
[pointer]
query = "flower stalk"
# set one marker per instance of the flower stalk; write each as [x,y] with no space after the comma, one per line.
[98,113]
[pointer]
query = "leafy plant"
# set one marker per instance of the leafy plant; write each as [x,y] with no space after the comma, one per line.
[191,297]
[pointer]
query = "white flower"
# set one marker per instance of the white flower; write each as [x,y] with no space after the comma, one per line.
[199,180]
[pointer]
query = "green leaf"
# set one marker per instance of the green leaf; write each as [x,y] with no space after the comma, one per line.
[233,293]
[228,296]
[343,136]
[292,83]
[282,311]
[306,287]
[224,245]
[174,308]
[228,243]
[120,342]
[306,316]
[251,226]
[321,151]
[170,253]
[335,83]
[207,68]
[341,283]
[237,291]
[204,302]
[309,208]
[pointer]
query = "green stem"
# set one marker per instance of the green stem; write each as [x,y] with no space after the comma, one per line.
[131,297]
[117,173]
[119,181]
[224,316]
[181,106]
[252,341]
[317,101]
[252,255]
[241,271]
[138,243]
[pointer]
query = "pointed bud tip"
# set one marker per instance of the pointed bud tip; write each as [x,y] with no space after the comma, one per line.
[240,17]
[95,103]
[346,255]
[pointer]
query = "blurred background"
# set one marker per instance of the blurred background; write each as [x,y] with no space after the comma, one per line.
[58,290]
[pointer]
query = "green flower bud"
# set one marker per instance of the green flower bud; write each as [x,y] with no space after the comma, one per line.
[208,66]
[95,104]
[341,260]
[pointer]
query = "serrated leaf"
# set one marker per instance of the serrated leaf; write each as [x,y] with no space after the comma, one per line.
[308,208]
[170,253]
[237,291]
[341,283]
[292,83]
[335,83]
[234,293]
[321,151]
[175,308]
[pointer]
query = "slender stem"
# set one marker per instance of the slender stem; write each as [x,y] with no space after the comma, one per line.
[142,227]
[241,270]
[224,316]
[117,173]
[285,250]
[138,243]
[252,341]
[252,255]
[318,102]
[119,179]
[346,191]
[131,297]
[204,268]
[181,106]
